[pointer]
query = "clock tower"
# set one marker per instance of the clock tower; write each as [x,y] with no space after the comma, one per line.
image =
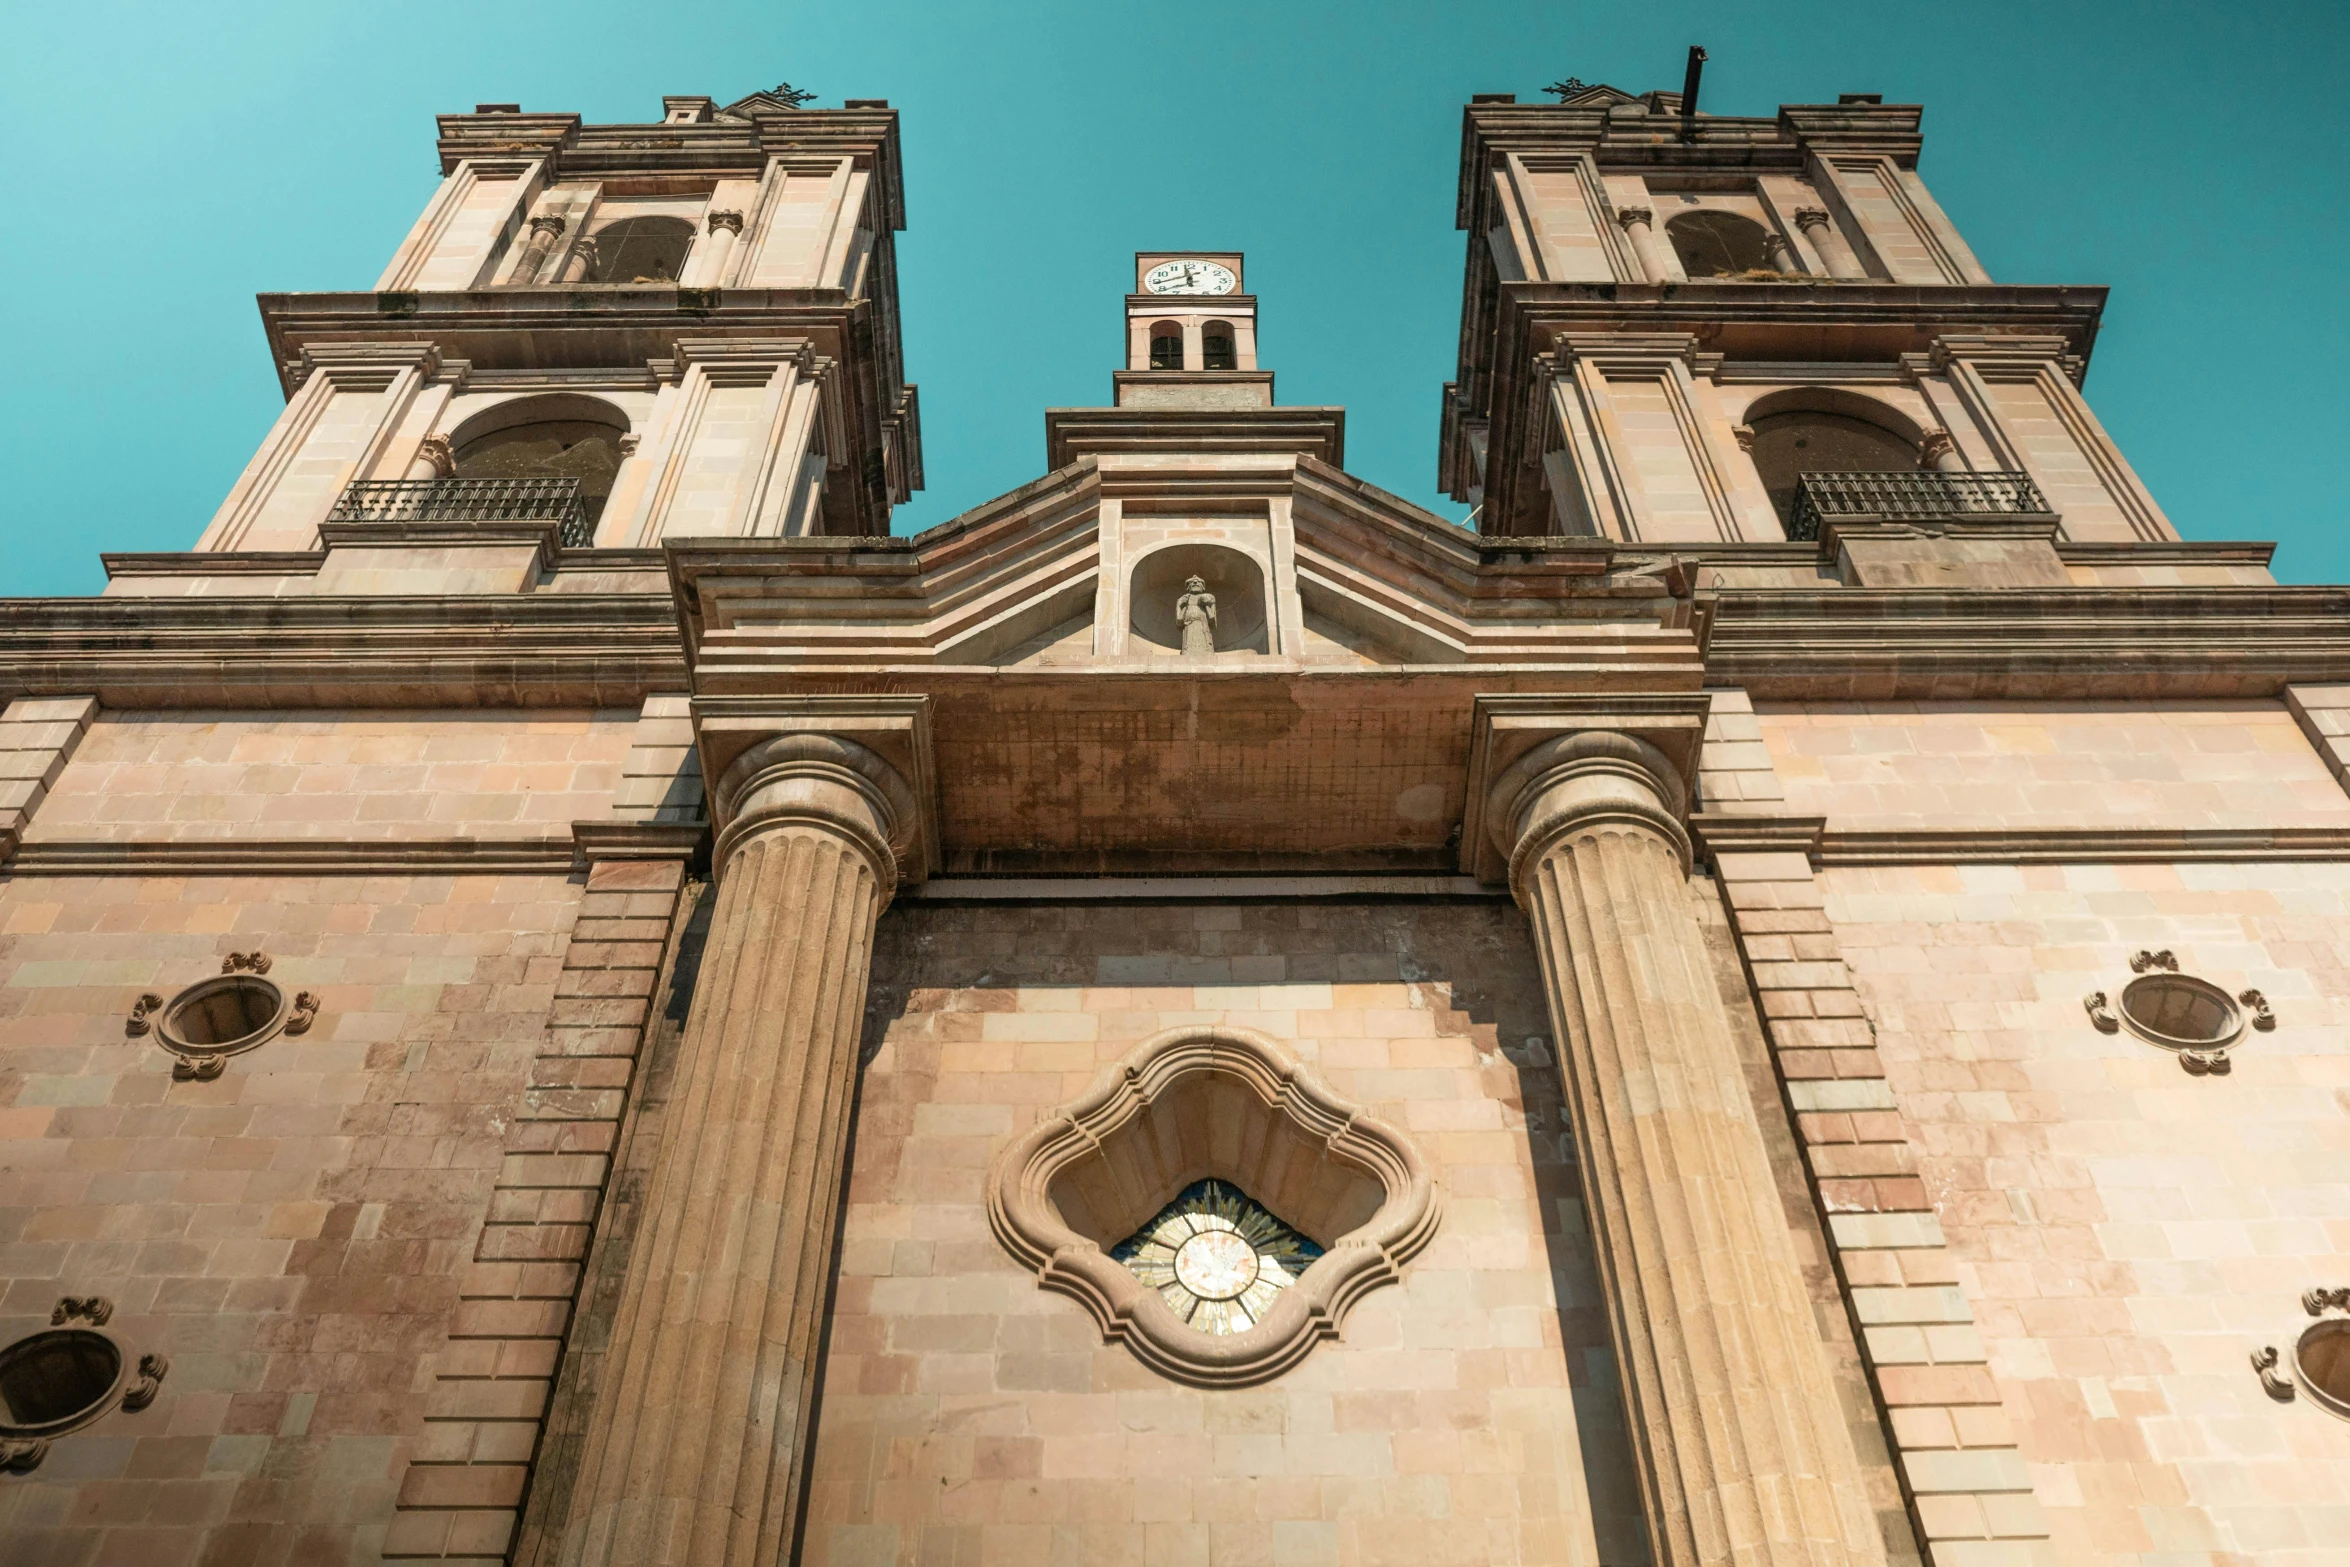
[1191,334]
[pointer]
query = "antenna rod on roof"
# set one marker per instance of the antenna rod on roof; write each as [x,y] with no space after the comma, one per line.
[1689,93]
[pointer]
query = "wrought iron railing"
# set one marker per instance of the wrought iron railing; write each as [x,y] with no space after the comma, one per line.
[469,500]
[1922,494]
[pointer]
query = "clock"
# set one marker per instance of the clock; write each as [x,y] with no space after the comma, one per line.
[1188,277]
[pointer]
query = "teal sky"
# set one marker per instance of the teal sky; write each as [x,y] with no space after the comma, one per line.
[166,163]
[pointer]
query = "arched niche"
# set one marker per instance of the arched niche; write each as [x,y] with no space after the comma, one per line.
[641,250]
[559,436]
[1233,577]
[1826,430]
[1718,244]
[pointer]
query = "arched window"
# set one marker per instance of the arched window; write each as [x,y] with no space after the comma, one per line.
[1789,445]
[642,250]
[564,436]
[1216,345]
[1718,244]
[1166,346]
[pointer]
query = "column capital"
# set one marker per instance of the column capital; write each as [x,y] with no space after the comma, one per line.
[549,224]
[1812,218]
[732,222]
[1627,217]
[1540,764]
[860,765]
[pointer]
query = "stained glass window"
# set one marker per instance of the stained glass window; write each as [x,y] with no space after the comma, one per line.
[1217,1257]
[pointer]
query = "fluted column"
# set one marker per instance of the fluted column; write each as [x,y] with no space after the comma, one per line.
[700,1437]
[1828,240]
[1637,224]
[1743,1447]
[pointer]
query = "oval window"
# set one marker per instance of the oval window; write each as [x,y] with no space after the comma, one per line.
[2322,1357]
[58,1379]
[2181,1012]
[223,1015]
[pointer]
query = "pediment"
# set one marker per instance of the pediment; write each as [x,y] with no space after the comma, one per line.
[1312,569]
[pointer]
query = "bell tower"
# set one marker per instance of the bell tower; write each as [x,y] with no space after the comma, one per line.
[1191,334]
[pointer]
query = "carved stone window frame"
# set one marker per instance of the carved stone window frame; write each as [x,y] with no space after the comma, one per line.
[1031,1226]
[2162,989]
[202,1060]
[137,1378]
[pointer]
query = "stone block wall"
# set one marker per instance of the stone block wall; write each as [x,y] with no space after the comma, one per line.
[337,775]
[968,1413]
[1468,1414]
[295,1234]
[1891,766]
[2126,1231]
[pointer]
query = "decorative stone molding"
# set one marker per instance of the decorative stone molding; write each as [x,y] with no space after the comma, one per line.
[1189,1104]
[2190,1017]
[1630,217]
[66,1377]
[233,1012]
[548,224]
[2320,1359]
[731,222]
[1933,446]
[1808,218]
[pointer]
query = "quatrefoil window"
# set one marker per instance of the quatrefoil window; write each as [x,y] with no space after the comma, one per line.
[1168,1196]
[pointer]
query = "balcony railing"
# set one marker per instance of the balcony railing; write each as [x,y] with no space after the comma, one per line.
[470,500]
[1916,496]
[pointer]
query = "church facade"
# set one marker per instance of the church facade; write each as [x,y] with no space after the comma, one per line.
[1778,998]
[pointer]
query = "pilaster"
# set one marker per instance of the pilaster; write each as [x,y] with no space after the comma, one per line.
[1968,1487]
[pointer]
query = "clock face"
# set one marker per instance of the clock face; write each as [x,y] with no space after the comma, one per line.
[1188,277]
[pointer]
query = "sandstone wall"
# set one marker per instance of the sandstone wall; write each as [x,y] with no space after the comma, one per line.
[1890,766]
[2128,1233]
[338,775]
[295,1234]
[1464,1415]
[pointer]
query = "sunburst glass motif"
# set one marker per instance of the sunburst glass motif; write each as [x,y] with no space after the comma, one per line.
[1217,1257]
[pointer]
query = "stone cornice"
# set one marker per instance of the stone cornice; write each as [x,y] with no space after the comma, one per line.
[726,145]
[1859,644]
[1072,433]
[553,854]
[530,650]
[573,327]
[2081,845]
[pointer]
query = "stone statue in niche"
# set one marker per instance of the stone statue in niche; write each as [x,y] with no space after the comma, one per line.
[1195,612]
